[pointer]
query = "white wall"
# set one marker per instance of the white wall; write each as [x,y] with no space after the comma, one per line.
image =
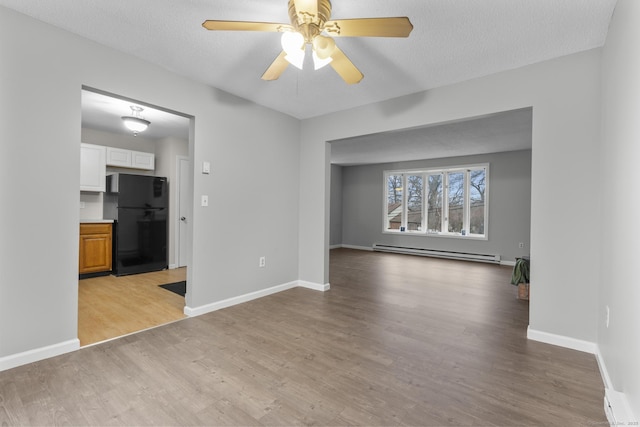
[619,288]
[42,71]
[565,96]
[336,206]
[509,197]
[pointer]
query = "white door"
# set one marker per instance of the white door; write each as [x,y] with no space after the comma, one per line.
[183,212]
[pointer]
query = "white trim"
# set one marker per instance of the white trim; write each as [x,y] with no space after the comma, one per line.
[219,305]
[358,248]
[30,356]
[617,409]
[314,286]
[176,231]
[616,404]
[335,247]
[442,235]
[603,370]
[172,267]
[562,341]
[508,263]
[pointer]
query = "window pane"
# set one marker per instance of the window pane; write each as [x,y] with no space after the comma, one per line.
[456,201]
[394,202]
[414,202]
[434,203]
[476,215]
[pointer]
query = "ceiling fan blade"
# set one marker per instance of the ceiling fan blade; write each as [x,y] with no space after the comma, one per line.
[369,27]
[245,26]
[276,68]
[344,67]
[307,10]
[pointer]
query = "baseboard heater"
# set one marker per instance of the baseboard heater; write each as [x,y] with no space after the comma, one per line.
[495,259]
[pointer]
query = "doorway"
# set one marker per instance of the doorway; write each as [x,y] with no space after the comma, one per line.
[110,306]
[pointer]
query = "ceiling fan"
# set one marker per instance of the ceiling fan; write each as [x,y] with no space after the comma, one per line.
[311,24]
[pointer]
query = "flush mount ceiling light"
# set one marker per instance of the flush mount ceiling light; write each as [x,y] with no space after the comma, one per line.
[135,122]
[311,25]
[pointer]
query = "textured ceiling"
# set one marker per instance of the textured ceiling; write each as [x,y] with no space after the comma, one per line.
[103,112]
[494,133]
[452,41]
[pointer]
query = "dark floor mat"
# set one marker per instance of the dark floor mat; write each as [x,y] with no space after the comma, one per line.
[179,288]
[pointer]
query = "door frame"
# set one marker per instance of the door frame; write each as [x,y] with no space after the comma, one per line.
[178,195]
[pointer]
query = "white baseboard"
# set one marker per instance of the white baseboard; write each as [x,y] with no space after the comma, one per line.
[617,409]
[616,404]
[334,247]
[314,286]
[508,263]
[30,356]
[219,305]
[172,267]
[358,248]
[562,341]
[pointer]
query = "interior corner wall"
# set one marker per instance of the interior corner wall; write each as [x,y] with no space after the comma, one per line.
[509,198]
[619,344]
[255,165]
[336,206]
[565,96]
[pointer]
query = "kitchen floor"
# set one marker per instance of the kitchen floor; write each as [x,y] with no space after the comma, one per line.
[109,306]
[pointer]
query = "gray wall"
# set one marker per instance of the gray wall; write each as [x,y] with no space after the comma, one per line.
[619,290]
[509,206]
[253,166]
[336,205]
[566,99]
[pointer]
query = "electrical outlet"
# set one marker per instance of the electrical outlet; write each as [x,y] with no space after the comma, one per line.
[206,167]
[262,262]
[204,201]
[606,318]
[521,245]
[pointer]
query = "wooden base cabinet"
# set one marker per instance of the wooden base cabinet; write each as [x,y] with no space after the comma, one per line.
[95,248]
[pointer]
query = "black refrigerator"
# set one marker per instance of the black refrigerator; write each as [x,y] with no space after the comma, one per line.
[138,204]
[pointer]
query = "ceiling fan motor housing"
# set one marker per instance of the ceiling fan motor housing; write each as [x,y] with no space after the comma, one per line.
[309,24]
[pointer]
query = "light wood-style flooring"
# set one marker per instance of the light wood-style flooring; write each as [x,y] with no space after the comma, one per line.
[109,306]
[398,340]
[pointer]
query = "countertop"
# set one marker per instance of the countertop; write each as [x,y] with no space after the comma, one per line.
[96,221]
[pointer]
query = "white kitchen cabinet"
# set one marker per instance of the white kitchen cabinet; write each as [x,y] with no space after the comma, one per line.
[130,159]
[93,167]
[118,157]
[140,160]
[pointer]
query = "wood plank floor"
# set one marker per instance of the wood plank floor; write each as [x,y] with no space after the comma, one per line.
[109,306]
[398,340]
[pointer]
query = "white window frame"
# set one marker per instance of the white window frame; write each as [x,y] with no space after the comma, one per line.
[466,169]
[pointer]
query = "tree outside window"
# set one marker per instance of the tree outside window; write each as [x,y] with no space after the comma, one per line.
[445,202]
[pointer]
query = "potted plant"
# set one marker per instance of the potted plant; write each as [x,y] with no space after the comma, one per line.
[520,277]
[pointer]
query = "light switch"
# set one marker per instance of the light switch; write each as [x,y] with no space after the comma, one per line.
[204,201]
[206,167]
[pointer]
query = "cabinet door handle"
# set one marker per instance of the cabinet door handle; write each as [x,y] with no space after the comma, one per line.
[183,218]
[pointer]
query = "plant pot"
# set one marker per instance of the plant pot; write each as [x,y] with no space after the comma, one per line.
[523,291]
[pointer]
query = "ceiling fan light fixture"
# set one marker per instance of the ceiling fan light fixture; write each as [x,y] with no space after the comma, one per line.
[323,46]
[296,59]
[293,44]
[292,41]
[135,122]
[320,62]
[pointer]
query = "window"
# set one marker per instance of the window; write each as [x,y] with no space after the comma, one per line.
[442,202]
